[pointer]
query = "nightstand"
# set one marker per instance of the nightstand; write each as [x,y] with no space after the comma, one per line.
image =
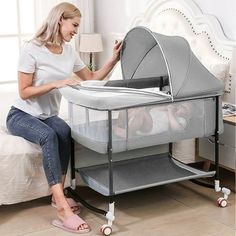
[227,147]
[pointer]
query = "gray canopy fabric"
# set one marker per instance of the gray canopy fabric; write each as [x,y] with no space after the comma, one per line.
[147,54]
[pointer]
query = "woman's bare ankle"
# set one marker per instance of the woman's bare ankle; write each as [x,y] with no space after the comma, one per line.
[64,212]
[63,209]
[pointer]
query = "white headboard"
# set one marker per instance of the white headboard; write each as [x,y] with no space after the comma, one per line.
[203,32]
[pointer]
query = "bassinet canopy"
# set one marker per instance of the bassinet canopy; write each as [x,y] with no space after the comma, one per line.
[165,63]
[147,54]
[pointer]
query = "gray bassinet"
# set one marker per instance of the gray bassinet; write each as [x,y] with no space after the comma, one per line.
[159,73]
[169,73]
[165,95]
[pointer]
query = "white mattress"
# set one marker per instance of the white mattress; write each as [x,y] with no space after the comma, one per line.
[112,98]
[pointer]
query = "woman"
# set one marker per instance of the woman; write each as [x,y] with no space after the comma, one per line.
[46,64]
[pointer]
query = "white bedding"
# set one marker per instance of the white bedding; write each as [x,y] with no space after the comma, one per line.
[22,175]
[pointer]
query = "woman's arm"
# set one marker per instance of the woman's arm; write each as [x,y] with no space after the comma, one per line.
[86,74]
[27,90]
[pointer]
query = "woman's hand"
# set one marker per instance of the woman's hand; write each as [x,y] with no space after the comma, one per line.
[65,82]
[86,74]
[27,90]
[116,51]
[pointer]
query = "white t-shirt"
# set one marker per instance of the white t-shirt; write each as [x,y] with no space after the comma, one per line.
[46,67]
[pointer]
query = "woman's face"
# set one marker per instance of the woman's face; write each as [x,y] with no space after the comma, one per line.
[68,28]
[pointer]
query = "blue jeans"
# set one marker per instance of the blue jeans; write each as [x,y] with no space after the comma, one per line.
[52,134]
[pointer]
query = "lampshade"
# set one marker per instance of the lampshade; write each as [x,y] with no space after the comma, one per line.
[90,43]
[232,68]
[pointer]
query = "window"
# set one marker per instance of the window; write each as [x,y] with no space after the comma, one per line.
[17,24]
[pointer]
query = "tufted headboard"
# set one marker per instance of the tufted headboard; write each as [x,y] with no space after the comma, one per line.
[203,32]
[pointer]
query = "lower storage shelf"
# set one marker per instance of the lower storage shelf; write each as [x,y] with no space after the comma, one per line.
[139,173]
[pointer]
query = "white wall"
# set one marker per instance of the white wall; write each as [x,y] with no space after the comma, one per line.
[115,16]
[112,16]
[224,10]
[118,14]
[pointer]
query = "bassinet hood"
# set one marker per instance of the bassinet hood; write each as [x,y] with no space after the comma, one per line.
[147,54]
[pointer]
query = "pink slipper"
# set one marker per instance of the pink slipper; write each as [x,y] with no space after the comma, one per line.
[71,224]
[72,203]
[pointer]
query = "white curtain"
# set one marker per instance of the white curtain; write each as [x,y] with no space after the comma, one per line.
[86,7]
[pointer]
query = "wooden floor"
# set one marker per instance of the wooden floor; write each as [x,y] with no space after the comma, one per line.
[180,209]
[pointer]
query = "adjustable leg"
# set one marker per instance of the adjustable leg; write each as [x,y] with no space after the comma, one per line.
[222,201]
[110,214]
[107,228]
[70,191]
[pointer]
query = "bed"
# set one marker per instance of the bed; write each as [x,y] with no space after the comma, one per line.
[116,162]
[21,167]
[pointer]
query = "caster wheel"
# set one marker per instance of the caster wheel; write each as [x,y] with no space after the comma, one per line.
[222,202]
[106,230]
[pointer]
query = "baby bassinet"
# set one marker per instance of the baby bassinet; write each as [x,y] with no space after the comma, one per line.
[160,73]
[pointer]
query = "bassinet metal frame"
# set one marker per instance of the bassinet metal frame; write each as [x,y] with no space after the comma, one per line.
[107,228]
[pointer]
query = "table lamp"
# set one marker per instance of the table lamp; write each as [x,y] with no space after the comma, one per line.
[90,43]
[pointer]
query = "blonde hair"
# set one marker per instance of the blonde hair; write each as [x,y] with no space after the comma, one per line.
[49,31]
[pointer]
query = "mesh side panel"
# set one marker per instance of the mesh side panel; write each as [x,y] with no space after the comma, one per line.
[147,126]
[90,123]
[143,126]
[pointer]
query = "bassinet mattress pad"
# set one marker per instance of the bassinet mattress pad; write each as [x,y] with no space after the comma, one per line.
[94,95]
